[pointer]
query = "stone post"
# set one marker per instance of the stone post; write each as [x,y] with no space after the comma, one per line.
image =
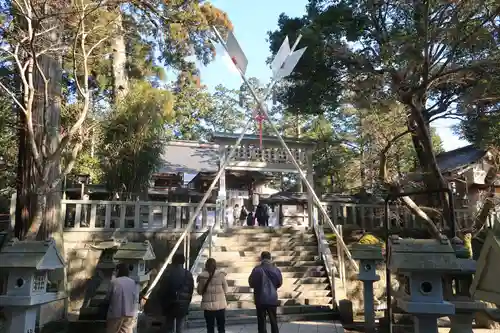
[310,179]
[221,196]
[369,256]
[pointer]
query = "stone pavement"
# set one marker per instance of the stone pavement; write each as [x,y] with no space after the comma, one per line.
[292,327]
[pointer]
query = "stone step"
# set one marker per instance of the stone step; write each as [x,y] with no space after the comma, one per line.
[286,282]
[240,238]
[281,310]
[260,230]
[259,249]
[264,240]
[304,271]
[318,273]
[221,264]
[248,320]
[249,304]
[291,268]
[232,297]
[265,246]
[305,288]
[253,254]
[267,236]
[248,316]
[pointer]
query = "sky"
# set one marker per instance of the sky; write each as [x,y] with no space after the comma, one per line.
[252,20]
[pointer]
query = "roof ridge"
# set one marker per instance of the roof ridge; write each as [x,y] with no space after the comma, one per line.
[459,150]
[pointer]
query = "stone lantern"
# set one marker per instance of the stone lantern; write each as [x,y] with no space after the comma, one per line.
[422,263]
[97,288]
[25,266]
[369,256]
[135,255]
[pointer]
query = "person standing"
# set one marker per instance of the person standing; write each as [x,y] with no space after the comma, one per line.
[212,286]
[262,215]
[236,214]
[229,216]
[265,280]
[123,297]
[176,292]
[243,215]
[251,218]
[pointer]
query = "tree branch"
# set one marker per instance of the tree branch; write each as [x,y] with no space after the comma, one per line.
[395,188]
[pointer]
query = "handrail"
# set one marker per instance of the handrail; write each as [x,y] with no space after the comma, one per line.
[207,243]
[323,249]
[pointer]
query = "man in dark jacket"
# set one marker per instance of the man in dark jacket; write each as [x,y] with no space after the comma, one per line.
[176,291]
[265,280]
[262,215]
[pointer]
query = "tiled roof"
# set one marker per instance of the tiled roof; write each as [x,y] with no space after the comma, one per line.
[30,254]
[459,158]
[135,250]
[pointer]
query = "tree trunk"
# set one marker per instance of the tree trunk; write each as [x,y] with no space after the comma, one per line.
[52,214]
[422,141]
[362,170]
[45,221]
[23,183]
[120,80]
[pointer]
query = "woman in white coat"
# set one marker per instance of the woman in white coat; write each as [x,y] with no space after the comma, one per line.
[212,286]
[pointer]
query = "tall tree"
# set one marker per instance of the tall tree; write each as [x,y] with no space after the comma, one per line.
[148,36]
[34,39]
[429,56]
[226,115]
[134,137]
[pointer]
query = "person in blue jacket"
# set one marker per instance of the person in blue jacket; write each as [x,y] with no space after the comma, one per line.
[265,280]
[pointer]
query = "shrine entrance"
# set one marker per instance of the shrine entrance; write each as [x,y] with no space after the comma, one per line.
[261,156]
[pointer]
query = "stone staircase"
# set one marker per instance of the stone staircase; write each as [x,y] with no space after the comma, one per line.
[305,294]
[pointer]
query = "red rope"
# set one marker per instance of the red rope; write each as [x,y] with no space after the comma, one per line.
[260,117]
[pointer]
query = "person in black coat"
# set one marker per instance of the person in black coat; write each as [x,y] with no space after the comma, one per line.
[176,292]
[262,215]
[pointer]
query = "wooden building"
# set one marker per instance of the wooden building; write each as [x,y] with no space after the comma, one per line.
[466,169]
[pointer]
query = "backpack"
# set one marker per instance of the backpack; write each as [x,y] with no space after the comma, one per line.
[268,292]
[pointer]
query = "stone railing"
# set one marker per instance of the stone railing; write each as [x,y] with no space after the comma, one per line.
[133,215]
[269,155]
[371,217]
[148,215]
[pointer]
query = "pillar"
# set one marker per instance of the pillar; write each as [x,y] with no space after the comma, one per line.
[310,180]
[221,196]
[21,319]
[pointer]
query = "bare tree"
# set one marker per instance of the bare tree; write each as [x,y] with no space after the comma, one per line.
[39,39]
